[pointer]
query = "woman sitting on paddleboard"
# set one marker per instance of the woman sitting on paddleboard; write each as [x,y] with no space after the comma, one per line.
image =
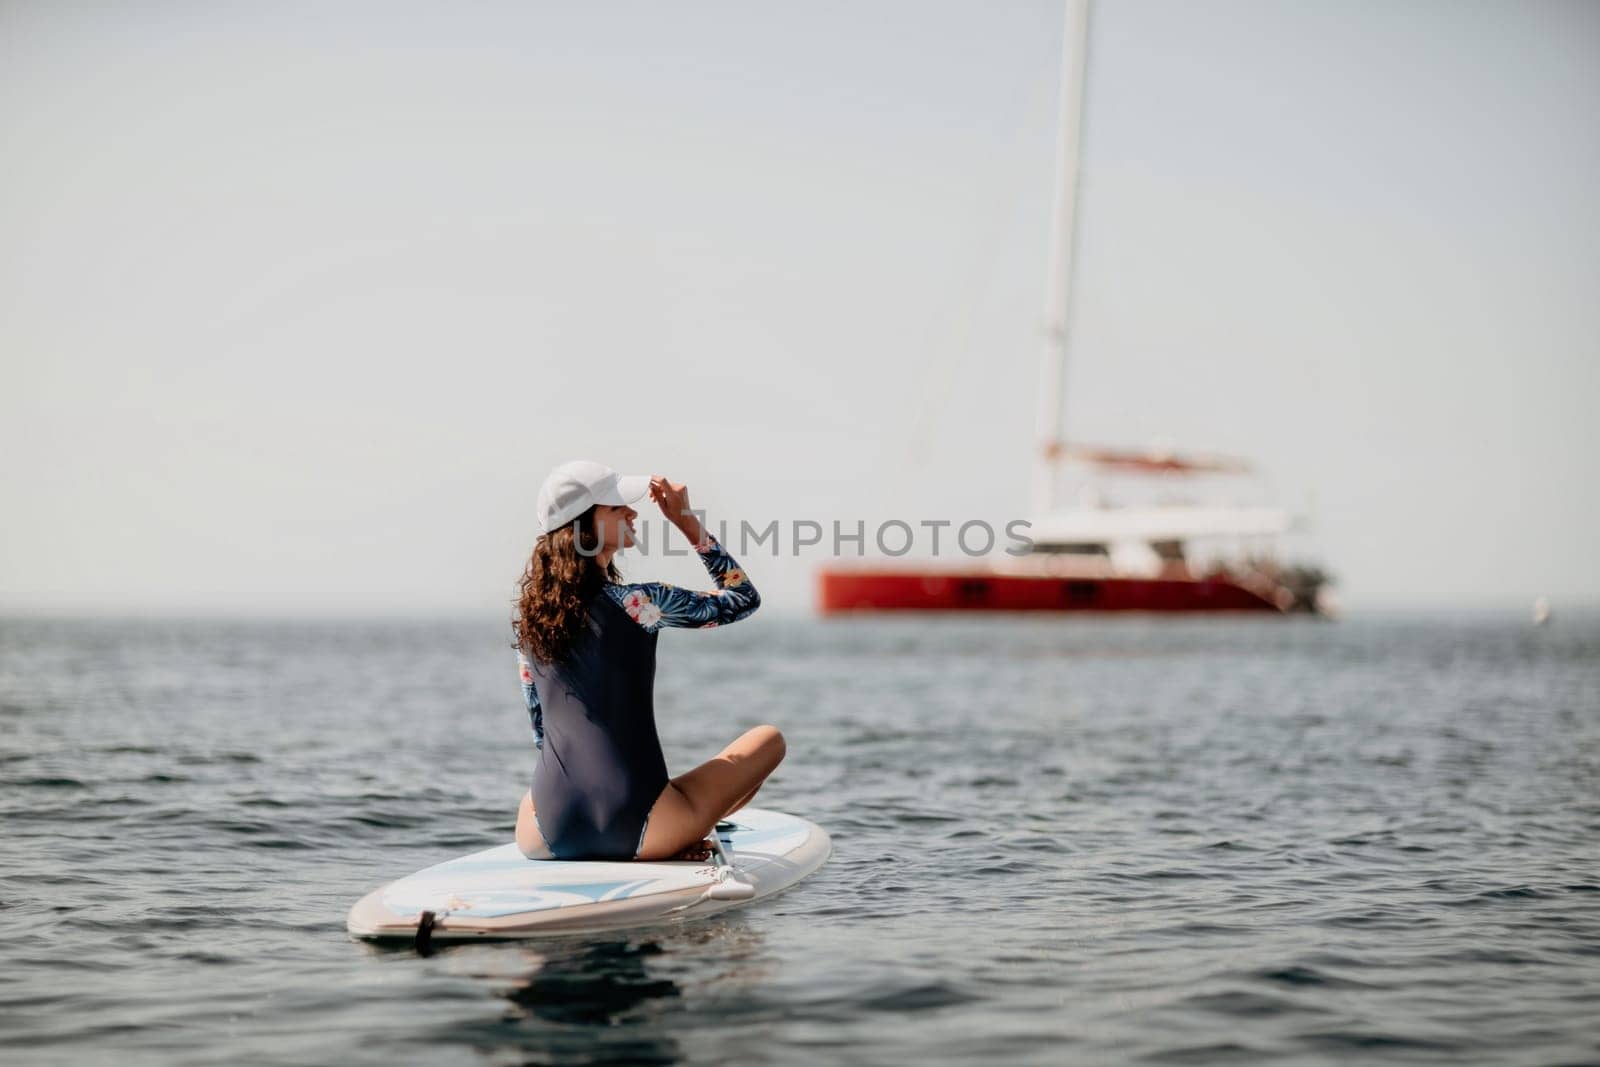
[587,650]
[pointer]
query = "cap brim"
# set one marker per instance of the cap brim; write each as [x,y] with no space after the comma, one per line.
[630,487]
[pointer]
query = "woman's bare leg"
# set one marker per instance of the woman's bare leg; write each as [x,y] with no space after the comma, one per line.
[692,804]
[742,801]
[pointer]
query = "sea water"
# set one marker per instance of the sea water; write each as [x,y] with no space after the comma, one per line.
[1056,840]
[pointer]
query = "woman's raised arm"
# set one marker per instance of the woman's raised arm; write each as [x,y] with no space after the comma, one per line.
[655,605]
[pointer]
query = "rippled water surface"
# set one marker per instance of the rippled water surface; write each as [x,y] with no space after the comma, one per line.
[1055,840]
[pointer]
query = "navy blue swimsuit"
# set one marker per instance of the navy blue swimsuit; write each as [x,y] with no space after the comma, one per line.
[600,766]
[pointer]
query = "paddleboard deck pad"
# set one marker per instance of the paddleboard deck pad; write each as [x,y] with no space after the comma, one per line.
[500,893]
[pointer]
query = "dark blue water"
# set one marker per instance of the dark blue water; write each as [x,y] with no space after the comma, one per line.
[1055,840]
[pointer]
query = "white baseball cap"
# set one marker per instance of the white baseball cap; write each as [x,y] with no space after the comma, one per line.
[575,487]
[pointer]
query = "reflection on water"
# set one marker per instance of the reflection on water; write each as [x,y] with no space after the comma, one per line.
[617,999]
[597,984]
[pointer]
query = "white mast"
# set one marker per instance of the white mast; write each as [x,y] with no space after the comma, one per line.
[1063,240]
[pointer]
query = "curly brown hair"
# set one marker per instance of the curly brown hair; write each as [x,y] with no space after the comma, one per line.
[556,587]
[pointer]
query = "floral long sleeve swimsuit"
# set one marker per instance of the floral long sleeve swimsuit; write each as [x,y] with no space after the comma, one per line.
[600,767]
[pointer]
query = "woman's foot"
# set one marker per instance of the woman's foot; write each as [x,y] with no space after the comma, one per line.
[695,853]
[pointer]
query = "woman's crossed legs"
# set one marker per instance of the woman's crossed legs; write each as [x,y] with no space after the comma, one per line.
[690,805]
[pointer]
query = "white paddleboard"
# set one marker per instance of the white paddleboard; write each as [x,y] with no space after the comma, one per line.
[500,893]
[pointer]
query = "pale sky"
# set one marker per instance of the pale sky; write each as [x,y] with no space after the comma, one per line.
[300,302]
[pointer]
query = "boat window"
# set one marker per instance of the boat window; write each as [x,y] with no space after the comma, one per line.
[1073,548]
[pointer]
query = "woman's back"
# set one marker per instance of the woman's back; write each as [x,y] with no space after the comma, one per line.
[600,764]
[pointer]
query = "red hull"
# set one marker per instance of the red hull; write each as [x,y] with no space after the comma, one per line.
[843,590]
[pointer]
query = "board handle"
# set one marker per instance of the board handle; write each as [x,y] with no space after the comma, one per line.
[730,883]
